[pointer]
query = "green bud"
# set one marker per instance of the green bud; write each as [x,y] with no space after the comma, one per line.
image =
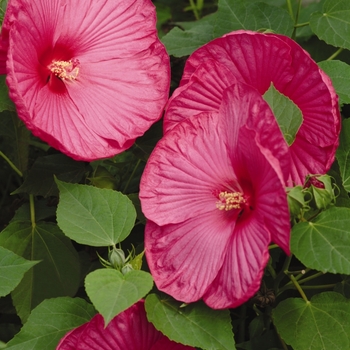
[117,258]
[321,189]
[296,201]
[127,268]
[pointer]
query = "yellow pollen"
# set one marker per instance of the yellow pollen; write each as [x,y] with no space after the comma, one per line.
[65,69]
[230,200]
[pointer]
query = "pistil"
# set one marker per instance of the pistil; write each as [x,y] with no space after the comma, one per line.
[230,200]
[65,70]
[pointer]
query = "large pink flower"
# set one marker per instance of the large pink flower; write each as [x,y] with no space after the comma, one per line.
[213,192]
[130,330]
[87,76]
[258,60]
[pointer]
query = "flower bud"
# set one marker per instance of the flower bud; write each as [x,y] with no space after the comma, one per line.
[321,189]
[117,258]
[296,201]
[127,268]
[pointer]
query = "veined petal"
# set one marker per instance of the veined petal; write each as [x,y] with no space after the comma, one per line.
[183,173]
[117,77]
[71,339]
[185,258]
[243,267]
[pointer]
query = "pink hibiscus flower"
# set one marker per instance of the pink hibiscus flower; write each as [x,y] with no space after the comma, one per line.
[130,330]
[259,60]
[213,192]
[87,76]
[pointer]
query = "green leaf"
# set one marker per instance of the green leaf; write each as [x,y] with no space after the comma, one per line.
[333,24]
[111,292]
[58,272]
[101,217]
[40,179]
[6,103]
[343,154]
[240,14]
[49,322]
[343,287]
[320,324]
[194,325]
[288,115]
[324,243]
[339,72]
[12,269]
[182,42]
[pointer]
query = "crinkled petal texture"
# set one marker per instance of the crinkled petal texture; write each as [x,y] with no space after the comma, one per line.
[128,330]
[258,60]
[194,249]
[88,76]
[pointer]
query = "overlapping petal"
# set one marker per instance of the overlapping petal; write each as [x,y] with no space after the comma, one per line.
[194,250]
[258,60]
[128,330]
[119,87]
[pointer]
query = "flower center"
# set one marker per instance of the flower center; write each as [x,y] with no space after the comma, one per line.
[65,69]
[230,200]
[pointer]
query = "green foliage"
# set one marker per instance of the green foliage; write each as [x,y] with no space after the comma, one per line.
[332,24]
[324,243]
[288,115]
[57,273]
[12,269]
[49,322]
[6,103]
[343,154]
[321,323]
[231,15]
[119,291]
[94,216]
[339,72]
[194,324]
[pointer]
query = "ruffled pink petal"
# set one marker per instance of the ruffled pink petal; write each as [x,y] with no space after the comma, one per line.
[166,344]
[128,330]
[122,83]
[240,276]
[185,258]
[182,175]
[259,59]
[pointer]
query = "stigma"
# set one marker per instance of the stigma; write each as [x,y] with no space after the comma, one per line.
[65,70]
[230,200]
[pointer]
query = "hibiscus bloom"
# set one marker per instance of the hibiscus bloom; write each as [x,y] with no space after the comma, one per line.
[86,76]
[130,330]
[213,192]
[258,60]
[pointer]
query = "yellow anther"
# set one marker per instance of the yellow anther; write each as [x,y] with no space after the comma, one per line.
[230,200]
[65,69]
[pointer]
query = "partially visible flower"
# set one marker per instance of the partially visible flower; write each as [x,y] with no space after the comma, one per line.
[258,60]
[213,192]
[86,76]
[130,330]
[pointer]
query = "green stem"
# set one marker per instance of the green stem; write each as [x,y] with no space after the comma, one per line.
[273,246]
[296,20]
[321,286]
[281,274]
[290,9]
[299,25]
[194,9]
[32,209]
[272,271]
[11,164]
[306,279]
[297,286]
[332,57]
[132,175]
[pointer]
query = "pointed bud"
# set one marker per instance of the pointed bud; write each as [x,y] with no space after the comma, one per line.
[117,258]
[296,201]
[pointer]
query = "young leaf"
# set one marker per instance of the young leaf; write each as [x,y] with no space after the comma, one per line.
[288,115]
[339,72]
[322,323]
[94,216]
[343,154]
[58,272]
[12,269]
[324,243]
[333,24]
[194,324]
[111,292]
[49,322]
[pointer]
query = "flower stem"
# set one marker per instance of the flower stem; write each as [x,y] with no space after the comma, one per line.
[299,25]
[297,286]
[194,9]
[332,57]
[290,8]
[273,246]
[32,209]
[321,286]
[11,164]
[296,20]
